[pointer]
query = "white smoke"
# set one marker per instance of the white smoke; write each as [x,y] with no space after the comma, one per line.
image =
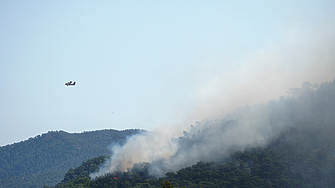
[213,139]
[264,75]
[145,147]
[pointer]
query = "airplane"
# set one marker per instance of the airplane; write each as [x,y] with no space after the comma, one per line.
[70,83]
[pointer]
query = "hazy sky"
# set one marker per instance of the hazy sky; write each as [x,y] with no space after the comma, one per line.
[153,64]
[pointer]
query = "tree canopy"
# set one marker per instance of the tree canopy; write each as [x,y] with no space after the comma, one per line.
[44,159]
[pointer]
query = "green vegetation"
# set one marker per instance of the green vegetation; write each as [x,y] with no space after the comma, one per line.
[301,153]
[43,160]
[300,157]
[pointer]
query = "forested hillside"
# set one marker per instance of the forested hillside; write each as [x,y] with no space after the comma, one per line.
[289,142]
[299,157]
[44,159]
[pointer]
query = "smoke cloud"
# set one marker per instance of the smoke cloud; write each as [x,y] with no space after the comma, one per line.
[140,148]
[244,106]
[213,139]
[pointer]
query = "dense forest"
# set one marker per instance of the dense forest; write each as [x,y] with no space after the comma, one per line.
[44,159]
[302,156]
[285,143]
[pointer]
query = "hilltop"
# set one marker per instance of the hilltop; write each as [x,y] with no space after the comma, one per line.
[44,159]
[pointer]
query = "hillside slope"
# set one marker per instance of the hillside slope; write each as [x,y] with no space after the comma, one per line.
[284,143]
[302,156]
[44,159]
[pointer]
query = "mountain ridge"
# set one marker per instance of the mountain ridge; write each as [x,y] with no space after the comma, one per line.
[55,152]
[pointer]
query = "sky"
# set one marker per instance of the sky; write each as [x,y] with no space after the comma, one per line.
[153,65]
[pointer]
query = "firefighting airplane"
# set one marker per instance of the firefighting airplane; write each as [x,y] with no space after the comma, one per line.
[70,83]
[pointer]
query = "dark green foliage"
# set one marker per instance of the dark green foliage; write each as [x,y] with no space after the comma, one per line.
[84,170]
[300,157]
[78,176]
[167,184]
[43,160]
[34,180]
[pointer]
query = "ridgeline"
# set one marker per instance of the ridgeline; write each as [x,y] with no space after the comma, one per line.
[44,159]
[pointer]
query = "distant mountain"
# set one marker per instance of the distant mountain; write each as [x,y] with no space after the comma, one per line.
[43,160]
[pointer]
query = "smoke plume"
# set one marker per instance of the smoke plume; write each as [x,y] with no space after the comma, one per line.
[244,106]
[213,139]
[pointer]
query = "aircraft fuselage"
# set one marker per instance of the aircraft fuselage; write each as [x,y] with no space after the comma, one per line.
[70,83]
